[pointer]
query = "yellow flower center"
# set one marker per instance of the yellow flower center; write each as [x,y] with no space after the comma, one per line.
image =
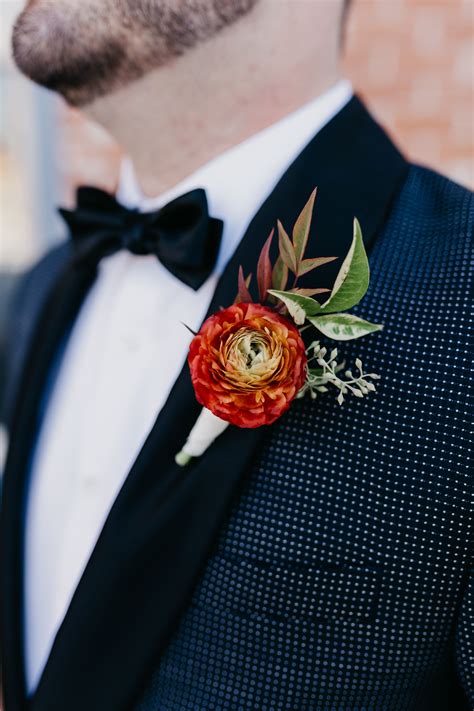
[252,356]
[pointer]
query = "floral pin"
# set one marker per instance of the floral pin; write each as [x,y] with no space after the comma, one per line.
[249,362]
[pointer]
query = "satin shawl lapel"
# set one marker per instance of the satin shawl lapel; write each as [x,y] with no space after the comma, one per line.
[164,522]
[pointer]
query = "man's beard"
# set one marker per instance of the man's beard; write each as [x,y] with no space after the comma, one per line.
[84,49]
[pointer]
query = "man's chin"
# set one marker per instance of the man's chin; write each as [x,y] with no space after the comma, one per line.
[87,49]
[45,51]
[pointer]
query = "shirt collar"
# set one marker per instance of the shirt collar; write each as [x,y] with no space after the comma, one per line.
[239,180]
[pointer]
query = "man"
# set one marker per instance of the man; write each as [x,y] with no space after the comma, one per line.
[320,563]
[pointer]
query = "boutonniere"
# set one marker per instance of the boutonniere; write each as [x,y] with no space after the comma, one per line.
[249,362]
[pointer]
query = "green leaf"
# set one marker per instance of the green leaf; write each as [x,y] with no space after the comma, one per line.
[280,275]
[302,227]
[298,306]
[343,327]
[307,265]
[353,279]
[287,252]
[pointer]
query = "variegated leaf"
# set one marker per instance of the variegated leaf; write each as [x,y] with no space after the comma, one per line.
[308,292]
[298,306]
[343,327]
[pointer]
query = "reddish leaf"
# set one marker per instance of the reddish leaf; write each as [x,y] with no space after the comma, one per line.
[302,227]
[264,269]
[280,275]
[309,292]
[307,265]
[244,293]
[287,252]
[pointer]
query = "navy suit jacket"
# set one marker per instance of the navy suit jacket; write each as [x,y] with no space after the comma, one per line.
[322,563]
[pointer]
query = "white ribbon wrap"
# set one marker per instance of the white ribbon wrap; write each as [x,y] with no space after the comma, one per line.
[206,429]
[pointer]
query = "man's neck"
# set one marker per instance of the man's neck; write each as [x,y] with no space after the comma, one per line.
[181,116]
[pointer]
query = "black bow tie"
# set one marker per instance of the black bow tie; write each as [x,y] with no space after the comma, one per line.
[182,235]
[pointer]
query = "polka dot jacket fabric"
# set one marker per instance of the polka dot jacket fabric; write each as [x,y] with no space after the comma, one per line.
[340,580]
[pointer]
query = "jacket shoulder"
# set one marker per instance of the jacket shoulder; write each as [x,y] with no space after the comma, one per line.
[435,207]
[40,275]
[426,249]
[25,303]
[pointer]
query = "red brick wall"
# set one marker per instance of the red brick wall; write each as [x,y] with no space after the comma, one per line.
[412,60]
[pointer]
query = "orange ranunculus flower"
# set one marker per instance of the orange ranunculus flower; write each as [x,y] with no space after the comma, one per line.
[247,364]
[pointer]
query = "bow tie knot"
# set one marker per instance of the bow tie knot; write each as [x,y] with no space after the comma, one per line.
[133,236]
[181,234]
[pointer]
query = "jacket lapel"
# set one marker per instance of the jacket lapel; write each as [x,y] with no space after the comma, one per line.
[164,521]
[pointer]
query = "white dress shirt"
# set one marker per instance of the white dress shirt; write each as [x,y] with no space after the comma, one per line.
[119,367]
